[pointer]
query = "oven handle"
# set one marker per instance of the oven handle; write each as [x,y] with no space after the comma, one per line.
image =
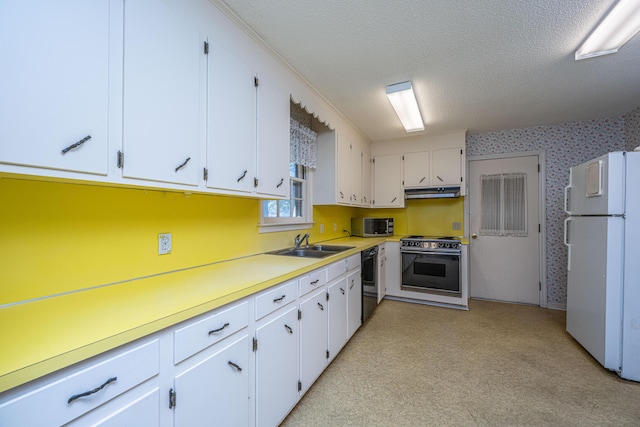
[431,253]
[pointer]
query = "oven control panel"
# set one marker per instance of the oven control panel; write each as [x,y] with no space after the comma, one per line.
[421,244]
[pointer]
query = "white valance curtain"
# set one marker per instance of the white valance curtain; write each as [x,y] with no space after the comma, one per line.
[504,205]
[303,146]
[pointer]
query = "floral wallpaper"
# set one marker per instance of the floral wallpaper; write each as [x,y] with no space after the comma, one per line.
[632,130]
[565,145]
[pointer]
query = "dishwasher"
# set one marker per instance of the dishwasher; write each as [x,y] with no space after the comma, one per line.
[369,282]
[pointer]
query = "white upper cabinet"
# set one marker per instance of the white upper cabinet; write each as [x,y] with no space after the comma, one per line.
[447,166]
[416,169]
[54,82]
[273,139]
[344,194]
[387,181]
[164,90]
[231,141]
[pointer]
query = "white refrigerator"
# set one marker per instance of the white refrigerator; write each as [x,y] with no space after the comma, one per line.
[602,234]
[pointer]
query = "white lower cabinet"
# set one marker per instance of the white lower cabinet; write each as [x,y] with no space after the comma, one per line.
[313,337]
[337,322]
[214,389]
[354,302]
[243,364]
[277,367]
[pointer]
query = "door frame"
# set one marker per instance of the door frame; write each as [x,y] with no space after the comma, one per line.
[542,209]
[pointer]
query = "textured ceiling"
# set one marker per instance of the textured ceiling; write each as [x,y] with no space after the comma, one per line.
[481,65]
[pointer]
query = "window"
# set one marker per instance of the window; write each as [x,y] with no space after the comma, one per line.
[293,213]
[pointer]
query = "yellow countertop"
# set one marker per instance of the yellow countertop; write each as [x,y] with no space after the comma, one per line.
[42,336]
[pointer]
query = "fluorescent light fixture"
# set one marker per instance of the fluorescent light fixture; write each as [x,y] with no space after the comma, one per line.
[621,23]
[404,102]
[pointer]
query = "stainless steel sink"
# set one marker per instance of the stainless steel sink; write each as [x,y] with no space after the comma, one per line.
[313,251]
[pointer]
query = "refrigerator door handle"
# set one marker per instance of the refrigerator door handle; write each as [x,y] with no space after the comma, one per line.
[567,194]
[567,243]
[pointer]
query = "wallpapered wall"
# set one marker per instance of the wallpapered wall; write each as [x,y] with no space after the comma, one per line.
[565,145]
[632,129]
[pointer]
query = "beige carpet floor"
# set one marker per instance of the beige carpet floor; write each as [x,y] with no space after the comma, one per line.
[494,365]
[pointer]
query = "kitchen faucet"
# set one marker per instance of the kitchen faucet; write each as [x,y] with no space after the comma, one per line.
[299,240]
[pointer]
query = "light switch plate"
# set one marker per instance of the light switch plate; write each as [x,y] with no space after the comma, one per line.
[164,243]
[456,226]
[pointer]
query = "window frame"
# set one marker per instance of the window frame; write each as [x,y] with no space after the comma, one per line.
[275,224]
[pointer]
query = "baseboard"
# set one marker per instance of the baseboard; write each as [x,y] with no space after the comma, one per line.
[557,306]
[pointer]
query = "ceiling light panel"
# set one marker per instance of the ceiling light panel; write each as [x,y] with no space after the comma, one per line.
[404,102]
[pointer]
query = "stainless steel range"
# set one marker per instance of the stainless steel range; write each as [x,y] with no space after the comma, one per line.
[431,264]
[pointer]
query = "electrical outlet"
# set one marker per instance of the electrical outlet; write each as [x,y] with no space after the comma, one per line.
[321,228]
[335,227]
[456,226]
[164,243]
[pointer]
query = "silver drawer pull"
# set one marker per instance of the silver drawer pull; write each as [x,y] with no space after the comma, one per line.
[234,366]
[219,329]
[315,281]
[76,145]
[280,299]
[90,392]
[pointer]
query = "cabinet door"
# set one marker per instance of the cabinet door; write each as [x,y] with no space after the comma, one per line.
[388,181]
[216,389]
[337,316]
[354,302]
[366,175]
[357,158]
[54,84]
[277,368]
[382,271]
[446,167]
[313,337]
[231,141]
[164,92]
[273,140]
[416,169]
[143,410]
[343,195]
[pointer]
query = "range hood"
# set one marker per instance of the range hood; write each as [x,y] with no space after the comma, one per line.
[432,193]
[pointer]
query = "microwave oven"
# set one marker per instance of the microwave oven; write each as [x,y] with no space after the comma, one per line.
[371,227]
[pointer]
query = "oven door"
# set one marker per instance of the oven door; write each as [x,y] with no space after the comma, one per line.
[431,272]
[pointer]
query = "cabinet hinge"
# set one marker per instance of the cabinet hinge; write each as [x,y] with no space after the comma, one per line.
[539,286]
[255,182]
[299,314]
[120,159]
[460,179]
[206,48]
[327,296]
[205,174]
[255,344]
[299,386]
[256,81]
[327,354]
[402,157]
[539,228]
[172,398]
[538,167]
[461,151]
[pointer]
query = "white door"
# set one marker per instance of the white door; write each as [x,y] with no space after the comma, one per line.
[504,256]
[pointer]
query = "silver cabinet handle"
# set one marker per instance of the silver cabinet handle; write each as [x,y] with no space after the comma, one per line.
[280,299]
[75,145]
[183,164]
[423,178]
[439,178]
[280,183]
[90,392]
[315,281]
[394,199]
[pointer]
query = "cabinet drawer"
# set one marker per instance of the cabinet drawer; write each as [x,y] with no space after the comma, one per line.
[272,300]
[313,280]
[77,393]
[198,335]
[336,269]
[353,262]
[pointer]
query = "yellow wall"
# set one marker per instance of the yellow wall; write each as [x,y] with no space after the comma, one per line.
[435,217]
[59,237]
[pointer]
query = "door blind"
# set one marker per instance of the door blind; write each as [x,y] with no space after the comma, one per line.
[504,204]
